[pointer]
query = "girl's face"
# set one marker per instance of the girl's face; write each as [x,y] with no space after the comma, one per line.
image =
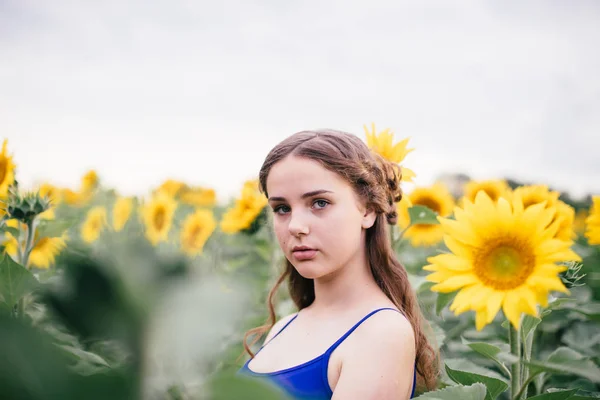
[318,219]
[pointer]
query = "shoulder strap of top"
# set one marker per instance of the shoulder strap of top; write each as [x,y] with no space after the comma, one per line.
[281,330]
[340,340]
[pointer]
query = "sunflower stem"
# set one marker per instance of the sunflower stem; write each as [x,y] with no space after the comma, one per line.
[514,339]
[527,350]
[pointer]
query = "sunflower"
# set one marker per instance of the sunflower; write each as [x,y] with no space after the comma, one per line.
[536,194]
[171,187]
[493,188]
[579,221]
[89,181]
[196,230]
[121,212]
[565,216]
[383,144]
[44,252]
[246,209]
[438,199]
[52,192]
[157,216]
[593,222]
[503,256]
[198,197]
[94,224]
[7,170]
[402,209]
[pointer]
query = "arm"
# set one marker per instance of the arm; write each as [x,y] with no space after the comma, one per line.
[381,363]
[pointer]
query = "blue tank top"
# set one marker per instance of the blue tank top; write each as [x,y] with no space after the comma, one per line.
[308,380]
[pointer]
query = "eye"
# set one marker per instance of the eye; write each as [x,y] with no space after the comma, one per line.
[282,209]
[320,203]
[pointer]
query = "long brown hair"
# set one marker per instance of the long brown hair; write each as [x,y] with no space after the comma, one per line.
[377,182]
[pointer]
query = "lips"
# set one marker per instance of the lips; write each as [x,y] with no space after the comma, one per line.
[303,253]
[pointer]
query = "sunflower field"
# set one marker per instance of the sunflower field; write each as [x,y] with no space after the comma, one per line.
[105,296]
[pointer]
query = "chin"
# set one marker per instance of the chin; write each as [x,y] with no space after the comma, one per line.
[310,270]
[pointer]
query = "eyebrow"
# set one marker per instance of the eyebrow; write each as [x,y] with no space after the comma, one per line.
[304,196]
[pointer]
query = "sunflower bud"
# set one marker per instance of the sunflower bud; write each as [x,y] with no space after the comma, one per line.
[572,275]
[26,207]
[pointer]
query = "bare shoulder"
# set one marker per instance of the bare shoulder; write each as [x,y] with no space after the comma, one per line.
[380,359]
[388,329]
[278,326]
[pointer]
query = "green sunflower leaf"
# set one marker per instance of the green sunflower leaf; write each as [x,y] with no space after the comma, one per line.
[15,281]
[565,361]
[555,395]
[477,391]
[494,386]
[422,215]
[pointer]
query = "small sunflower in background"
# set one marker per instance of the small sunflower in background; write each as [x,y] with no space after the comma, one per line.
[565,214]
[592,232]
[157,216]
[196,230]
[383,144]
[7,170]
[503,255]
[246,210]
[44,251]
[494,188]
[94,224]
[121,212]
[437,198]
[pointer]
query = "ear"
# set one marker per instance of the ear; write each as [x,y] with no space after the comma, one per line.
[368,218]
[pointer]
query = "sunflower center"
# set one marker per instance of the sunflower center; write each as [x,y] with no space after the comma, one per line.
[160,218]
[504,263]
[430,203]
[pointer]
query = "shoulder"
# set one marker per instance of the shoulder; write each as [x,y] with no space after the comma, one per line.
[379,362]
[279,326]
[387,330]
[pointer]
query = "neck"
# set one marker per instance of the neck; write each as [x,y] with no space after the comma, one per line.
[347,287]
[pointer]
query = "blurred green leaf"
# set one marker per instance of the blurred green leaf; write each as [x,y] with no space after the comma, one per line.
[443,299]
[15,281]
[528,325]
[422,215]
[557,395]
[228,387]
[55,227]
[565,361]
[494,386]
[476,391]
[82,355]
[491,351]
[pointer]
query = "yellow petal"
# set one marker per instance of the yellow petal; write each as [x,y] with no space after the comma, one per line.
[455,283]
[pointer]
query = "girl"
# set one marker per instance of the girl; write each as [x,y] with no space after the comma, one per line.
[358,333]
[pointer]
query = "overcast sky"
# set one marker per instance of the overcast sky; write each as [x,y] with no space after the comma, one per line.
[201,90]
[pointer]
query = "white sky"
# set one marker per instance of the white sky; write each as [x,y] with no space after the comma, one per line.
[201,90]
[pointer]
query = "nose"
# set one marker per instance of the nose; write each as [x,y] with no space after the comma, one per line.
[298,224]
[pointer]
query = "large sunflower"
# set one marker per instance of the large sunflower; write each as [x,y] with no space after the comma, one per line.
[94,224]
[592,222]
[438,199]
[7,170]
[494,188]
[503,256]
[383,144]
[196,230]
[246,209]
[121,212]
[44,251]
[157,216]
